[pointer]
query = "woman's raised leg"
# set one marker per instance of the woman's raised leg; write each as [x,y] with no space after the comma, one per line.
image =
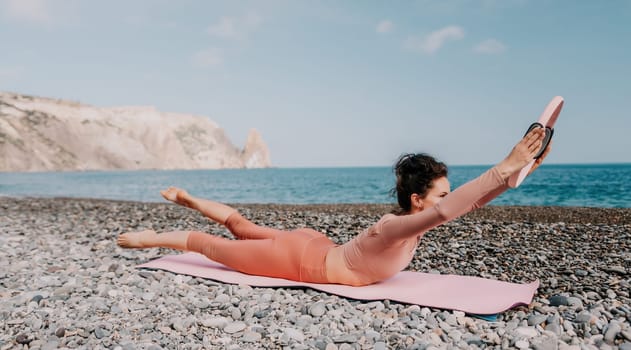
[213,210]
[239,226]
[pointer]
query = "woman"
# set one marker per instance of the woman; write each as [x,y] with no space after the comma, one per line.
[378,253]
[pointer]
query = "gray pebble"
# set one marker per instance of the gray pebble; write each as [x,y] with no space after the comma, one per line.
[262,313]
[100,333]
[380,346]
[377,323]
[371,335]
[51,345]
[60,332]
[320,345]
[145,274]
[581,273]
[23,339]
[236,314]
[583,317]
[251,337]
[549,342]
[201,304]
[574,302]
[36,324]
[475,340]
[345,338]
[522,344]
[294,334]
[568,326]
[222,299]
[318,309]
[616,269]
[554,328]
[234,327]
[558,300]
[591,295]
[148,296]
[527,332]
[536,319]
[455,335]
[215,322]
[612,332]
[178,325]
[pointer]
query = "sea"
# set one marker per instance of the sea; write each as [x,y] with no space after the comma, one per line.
[578,185]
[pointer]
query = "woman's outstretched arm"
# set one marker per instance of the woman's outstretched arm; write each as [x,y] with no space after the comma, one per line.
[467,197]
[495,193]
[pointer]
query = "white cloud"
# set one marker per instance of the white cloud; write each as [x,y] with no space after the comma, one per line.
[208,58]
[28,10]
[385,26]
[434,41]
[490,46]
[235,28]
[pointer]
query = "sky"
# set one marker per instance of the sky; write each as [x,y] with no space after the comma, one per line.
[342,83]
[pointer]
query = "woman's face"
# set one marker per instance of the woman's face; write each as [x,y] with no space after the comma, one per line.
[440,188]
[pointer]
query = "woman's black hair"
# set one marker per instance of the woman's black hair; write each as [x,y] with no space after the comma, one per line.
[415,173]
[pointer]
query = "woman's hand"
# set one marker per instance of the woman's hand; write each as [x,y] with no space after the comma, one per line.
[523,153]
[540,159]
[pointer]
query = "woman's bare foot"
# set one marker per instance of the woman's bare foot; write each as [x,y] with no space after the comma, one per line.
[177,196]
[141,239]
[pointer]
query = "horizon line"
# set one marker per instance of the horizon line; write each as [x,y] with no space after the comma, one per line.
[448,165]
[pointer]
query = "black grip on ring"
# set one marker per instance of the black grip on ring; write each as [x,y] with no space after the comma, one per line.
[546,139]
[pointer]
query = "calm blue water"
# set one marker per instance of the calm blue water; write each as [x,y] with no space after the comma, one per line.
[606,185]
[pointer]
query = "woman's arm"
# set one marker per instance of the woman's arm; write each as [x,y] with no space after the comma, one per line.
[495,193]
[467,197]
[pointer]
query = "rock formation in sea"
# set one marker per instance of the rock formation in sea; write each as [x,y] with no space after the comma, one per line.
[43,134]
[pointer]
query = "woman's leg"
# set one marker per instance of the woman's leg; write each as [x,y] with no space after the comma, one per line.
[280,257]
[151,239]
[277,257]
[239,226]
[213,210]
[243,228]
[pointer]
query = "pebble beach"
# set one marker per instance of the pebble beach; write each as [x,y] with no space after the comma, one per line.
[64,283]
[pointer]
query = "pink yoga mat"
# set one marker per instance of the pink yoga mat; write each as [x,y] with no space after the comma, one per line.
[469,294]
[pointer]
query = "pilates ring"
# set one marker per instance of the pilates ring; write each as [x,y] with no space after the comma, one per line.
[547,120]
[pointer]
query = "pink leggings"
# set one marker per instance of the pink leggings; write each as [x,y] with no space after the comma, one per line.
[298,255]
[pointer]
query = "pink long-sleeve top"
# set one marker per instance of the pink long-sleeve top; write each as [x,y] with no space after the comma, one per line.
[387,247]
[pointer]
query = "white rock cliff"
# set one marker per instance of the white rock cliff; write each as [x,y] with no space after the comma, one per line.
[42,134]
